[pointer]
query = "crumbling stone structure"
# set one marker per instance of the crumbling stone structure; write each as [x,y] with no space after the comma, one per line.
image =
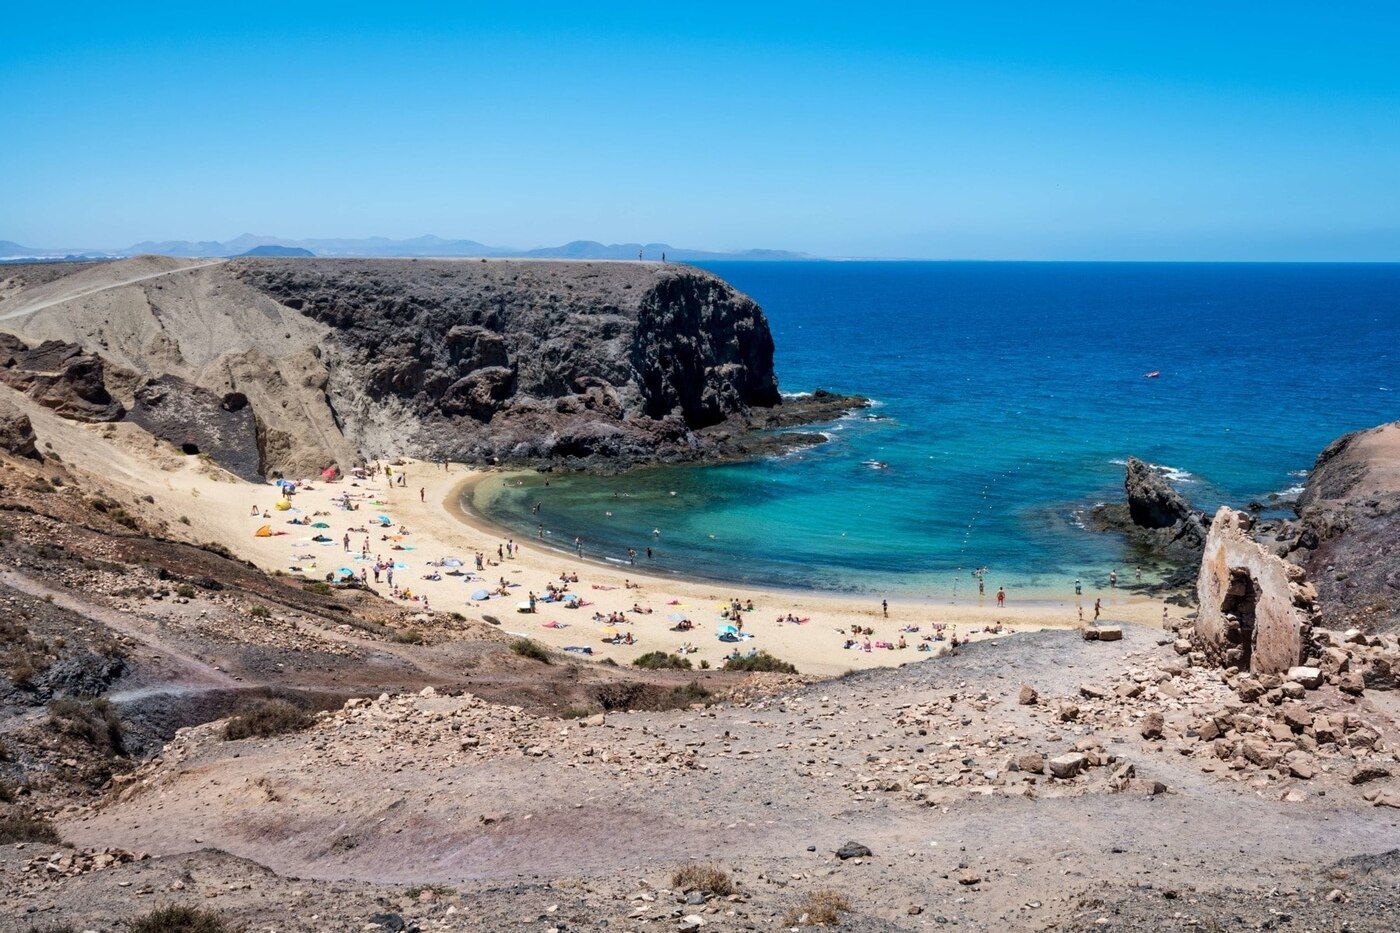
[1256,609]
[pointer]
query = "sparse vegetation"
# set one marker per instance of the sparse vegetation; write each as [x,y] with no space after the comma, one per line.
[528,648]
[92,721]
[268,718]
[319,587]
[661,661]
[820,909]
[185,591]
[762,661]
[259,611]
[409,636]
[177,918]
[707,878]
[24,828]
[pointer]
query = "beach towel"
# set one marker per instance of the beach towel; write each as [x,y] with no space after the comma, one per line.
[553,625]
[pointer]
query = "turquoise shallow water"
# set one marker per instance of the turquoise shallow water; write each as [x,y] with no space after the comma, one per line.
[1008,395]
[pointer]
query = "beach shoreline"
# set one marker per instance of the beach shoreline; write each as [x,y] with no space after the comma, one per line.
[456,503]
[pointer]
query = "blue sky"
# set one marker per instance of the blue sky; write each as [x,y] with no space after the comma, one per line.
[1019,131]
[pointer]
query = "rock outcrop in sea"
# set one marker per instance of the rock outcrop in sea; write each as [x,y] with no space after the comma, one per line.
[1157,521]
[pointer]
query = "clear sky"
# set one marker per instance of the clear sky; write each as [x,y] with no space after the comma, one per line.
[963,130]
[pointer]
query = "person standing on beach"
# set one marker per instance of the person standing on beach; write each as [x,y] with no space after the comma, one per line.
[1078,587]
[1113,579]
[346,542]
[1137,572]
[885,607]
[422,496]
[1001,596]
[1098,606]
[578,546]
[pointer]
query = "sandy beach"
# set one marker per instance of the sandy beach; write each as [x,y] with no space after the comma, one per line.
[428,523]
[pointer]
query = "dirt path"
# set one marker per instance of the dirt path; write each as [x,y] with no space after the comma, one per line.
[75,296]
[197,670]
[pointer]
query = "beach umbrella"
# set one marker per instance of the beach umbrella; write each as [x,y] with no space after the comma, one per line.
[264,532]
[319,525]
[400,565]
[676,617]
[384,520]
[282,505]
[346,572]
[728,630]
[481,594]
[452,562]
[570,598]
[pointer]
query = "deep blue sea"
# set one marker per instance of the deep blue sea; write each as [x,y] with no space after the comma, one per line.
[1008,396]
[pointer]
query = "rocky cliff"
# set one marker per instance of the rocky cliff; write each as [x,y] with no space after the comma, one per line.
[1348,530]
[575,364]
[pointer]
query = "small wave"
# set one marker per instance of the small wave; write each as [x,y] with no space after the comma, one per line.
[1175,474]
[1292,492]
[796,394]
[1298,473]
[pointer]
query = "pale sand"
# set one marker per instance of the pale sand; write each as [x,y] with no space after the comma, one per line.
[216,507]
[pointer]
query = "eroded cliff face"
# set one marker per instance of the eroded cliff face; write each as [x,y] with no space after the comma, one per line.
[581,365]
[1348,529]
[530,362]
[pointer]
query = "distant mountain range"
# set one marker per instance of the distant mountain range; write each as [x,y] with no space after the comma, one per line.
[423,246]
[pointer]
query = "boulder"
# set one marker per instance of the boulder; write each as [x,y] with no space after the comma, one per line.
[1068,766]
[1152,725]
[61,376]
[1310,677]
[1027,696]
[853,850]
[17,433]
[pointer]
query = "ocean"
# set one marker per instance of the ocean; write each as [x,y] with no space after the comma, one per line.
[1007,398]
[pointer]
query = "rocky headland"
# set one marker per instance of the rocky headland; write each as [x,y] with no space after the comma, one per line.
[578,365]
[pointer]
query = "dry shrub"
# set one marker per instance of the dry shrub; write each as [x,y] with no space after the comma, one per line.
[177,918]
[707,878]
[92,721]
[527,648]
[268,718]
[22,828]
[819,909]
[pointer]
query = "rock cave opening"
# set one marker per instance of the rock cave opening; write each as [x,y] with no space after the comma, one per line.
[1240,603]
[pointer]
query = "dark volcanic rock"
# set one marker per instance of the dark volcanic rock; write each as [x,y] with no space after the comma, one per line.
[61,376]
[1152,501]
[1347,535]
[542,363]
[17,433]
[1157,521]
[201,422]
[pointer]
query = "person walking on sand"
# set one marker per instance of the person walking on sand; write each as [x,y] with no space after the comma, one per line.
[347,542]
[1078,587]
[1098,607]
[578,546]
[422,495]
[885,607]
[1001,596]
[1113,579]
[1081,613]
[1137,572]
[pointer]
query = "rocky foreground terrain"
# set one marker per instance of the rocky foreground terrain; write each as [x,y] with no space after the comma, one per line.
[577,364]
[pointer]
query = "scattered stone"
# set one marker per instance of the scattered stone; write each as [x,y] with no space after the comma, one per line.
[853,850]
